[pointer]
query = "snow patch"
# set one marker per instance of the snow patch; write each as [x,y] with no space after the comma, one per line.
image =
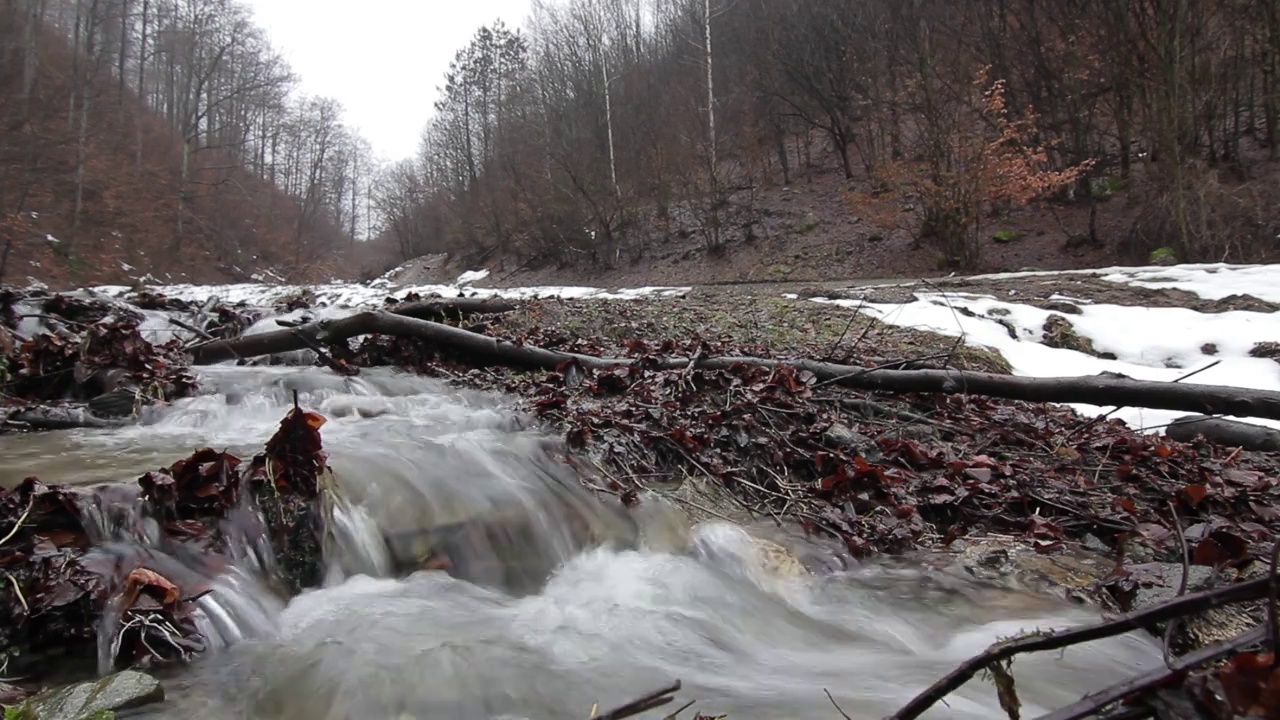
[1211,282]
[1161,344]
[472,276]
[372,295]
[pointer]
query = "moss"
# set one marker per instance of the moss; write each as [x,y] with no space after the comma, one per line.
[1164,256]
[1105,188]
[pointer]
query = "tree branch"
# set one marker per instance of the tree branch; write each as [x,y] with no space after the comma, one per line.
[1105,389]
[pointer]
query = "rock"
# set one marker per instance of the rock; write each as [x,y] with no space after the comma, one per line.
[1004,237]
[776,559]
[1060,333]
[1138,552]
[1213,625]
[1062,306]
[1093,544]
[1269,350]
[1245,303]
[1164,256]
[1209,349]
[90,700]
[842,436]
[808,223]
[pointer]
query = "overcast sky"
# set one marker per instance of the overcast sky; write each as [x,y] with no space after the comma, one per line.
[382,59]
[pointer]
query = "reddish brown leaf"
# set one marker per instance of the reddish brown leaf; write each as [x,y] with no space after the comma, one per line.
[1193,495]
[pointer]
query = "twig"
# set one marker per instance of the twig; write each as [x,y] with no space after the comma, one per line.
[679,710]
[1089,705]
[647,702]
[190,328]
[18,591]
[1172,626]
[21,519]
[831,354]
[1001,651]
[836,705]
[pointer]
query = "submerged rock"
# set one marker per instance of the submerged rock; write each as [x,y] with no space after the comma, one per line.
[94,700]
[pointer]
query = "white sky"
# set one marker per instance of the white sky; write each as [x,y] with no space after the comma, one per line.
[382,59]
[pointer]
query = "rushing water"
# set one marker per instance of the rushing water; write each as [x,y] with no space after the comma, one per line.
[559,603]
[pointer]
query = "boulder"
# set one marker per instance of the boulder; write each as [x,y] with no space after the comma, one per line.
[94,700]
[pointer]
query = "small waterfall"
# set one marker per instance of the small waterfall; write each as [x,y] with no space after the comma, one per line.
[469,575]
[237,604]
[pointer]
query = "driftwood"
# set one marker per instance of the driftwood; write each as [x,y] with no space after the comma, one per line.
[1105,389]
[1231,433]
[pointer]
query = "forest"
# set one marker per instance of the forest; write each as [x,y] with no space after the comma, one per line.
[607,125]
[167,135]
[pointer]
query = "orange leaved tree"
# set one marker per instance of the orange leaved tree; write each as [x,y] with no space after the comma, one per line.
[972,154]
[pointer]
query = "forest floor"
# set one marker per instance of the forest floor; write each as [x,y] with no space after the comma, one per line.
[813,230]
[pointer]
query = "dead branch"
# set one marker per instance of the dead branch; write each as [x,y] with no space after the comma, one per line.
[1089,705]
[1231,433]
[1146,619]
[657,698]
[1104,389]
[452,308]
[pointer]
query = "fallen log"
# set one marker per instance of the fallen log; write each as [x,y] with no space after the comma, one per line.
[1105,389]
[1231,433]
[438,309]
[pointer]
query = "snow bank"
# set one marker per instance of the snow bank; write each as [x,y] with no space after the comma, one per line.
[1148,343]
[358,295]
[1211,281]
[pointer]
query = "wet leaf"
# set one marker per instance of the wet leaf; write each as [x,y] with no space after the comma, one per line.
[1193,495]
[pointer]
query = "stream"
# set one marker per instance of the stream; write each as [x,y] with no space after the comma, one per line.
[570,603]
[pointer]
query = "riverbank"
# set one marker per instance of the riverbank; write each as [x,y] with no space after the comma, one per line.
[1008,490]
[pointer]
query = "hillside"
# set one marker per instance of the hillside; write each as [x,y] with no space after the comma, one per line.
[184,178]
[694,141]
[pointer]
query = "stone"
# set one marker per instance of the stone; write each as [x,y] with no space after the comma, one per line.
[92,700]
[1093,544]
[1266,349]
[1164,257]
[1060,333]
[843,436]
[808,223]
[1062,306]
